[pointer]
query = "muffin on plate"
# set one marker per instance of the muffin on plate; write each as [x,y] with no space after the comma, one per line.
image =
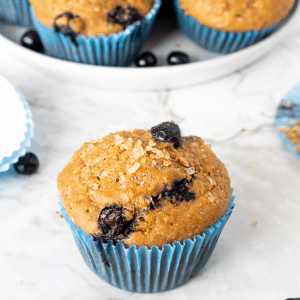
[109,33]
[146,207]
[15,12]
[228,26]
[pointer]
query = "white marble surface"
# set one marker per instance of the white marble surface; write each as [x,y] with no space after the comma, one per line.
[38,256]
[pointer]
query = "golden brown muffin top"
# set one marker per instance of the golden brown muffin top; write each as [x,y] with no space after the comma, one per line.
[294,135]
[131,188]
[90,17]
[237,15]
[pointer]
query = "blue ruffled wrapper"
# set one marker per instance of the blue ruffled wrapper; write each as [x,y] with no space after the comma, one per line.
[223,42]
[119,49]
[16,12]
[144,270]
[288,115]
[7,161]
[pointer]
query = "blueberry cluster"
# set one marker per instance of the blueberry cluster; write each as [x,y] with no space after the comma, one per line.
[148,59]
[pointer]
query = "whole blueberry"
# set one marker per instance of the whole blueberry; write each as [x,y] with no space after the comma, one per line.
[167,132]
[27,164]
[124,16]
[178,58]
[146,59]
[31,40]
[114,225]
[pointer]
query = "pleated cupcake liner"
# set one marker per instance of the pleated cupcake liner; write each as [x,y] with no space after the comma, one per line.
[288,143]
[16,12]
[144,270]
[119,49]
[288,114]
[26,143]
[223,42]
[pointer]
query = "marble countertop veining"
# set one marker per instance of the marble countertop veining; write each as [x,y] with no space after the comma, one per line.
[38,256]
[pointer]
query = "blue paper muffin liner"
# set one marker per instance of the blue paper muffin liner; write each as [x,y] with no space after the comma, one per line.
[144,270]
[119,49]
[288,114]
[14,157]
[15,12]
[223,42]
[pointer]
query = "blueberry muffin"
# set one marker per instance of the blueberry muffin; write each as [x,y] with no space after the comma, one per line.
[145,188]
[95,28]
[229,26]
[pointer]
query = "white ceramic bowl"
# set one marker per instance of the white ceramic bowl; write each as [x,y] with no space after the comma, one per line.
[164,38]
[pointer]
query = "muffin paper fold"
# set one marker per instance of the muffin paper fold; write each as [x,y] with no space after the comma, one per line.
[16,12]
[119,49]
[5,162]
[223,42]
[288,114]
[144,270]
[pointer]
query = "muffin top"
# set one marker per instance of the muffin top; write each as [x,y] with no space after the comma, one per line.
[90,17]
[145,187]
[237,15]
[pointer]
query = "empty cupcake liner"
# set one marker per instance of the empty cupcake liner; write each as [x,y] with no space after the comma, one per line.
[144,270]
[119,49]
[223,42]
[288,114]
[15,12]
[24,144]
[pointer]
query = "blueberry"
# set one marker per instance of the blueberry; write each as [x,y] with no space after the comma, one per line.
[124,16]
[27,164]
[69,25]
[179,191]
[146,59]
[178,58]
[31,40]
[167,132]
[113,224]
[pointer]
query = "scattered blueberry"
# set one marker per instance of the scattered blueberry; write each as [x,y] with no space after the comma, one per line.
[124,16]
[178,58]
[31,40]
[146,59]
[167,132]
[27,164]
[113,224]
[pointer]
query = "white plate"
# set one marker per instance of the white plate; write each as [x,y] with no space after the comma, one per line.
[164,38]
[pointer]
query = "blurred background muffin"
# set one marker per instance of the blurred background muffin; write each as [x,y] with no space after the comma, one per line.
[99,32]
[228,26]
